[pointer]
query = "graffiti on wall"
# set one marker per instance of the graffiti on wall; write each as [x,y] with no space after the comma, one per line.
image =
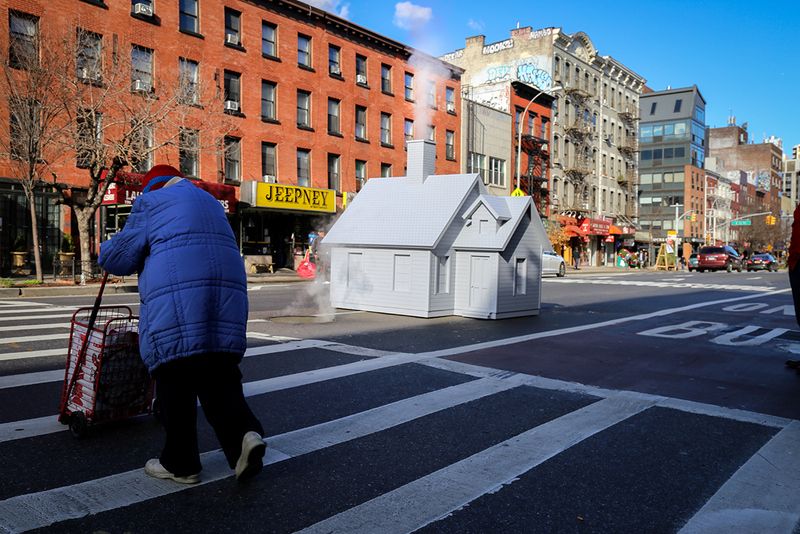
[535,71]
[497,47]
[497,96]
[538,34]
[452,55]
[763,181]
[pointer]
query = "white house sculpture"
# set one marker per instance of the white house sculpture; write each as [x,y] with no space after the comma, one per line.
[428,246]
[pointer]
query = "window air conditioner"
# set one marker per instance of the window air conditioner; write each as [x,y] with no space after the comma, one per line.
[270,178]
[231,38]
[451,107]
[336,70]
[361,78]
[231,105]
[143,9]
[84,73]
[141,85]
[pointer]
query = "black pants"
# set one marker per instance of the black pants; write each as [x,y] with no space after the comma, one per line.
[215,379]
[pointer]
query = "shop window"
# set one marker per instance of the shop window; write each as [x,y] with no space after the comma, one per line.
[23,45]
[269,40]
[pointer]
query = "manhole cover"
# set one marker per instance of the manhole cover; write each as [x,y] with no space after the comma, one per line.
[303,319]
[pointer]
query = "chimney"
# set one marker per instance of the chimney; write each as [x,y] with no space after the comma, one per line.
[421,160]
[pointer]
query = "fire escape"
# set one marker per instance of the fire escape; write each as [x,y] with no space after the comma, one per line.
[629,149]
[534,181]
[579,133]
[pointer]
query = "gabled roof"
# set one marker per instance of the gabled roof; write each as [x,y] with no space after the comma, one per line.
[496,206]
[515,207]
[399,212]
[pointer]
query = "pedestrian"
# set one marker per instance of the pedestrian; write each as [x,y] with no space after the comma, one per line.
[193,318]
[794,274]
[576,256]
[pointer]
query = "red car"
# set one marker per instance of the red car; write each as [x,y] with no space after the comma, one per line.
[762,261]
[718,258]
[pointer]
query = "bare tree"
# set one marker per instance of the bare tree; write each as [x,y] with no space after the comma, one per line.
[121,115]
[761,236]
[31,131]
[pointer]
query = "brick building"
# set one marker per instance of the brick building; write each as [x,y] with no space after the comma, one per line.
[316,102]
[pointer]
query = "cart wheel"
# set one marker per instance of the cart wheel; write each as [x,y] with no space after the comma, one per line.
[78,424]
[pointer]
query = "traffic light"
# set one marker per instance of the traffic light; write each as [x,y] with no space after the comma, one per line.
[771,220]
[694,217]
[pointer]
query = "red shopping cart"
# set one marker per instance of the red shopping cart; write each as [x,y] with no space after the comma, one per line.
[105,379]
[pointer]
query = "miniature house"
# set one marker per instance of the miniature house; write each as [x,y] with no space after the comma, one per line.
[428,246]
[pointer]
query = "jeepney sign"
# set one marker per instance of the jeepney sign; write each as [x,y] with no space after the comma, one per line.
[292,197]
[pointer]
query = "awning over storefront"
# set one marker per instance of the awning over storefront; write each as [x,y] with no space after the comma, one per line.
[573,231]
[128,186]
[595,227]
[614,230]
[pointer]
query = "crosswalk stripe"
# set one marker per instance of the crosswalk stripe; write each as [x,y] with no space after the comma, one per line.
[433,496]
[38,337]
[775,507]
[49,316]
[42,309]
[23,327]
[20,303]
[35,510]
[25,354]
[650,283]
[29,379]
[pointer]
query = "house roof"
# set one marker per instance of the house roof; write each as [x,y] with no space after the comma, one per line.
[399,212]
[513,207]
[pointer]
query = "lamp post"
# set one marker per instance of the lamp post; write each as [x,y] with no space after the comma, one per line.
[519,127]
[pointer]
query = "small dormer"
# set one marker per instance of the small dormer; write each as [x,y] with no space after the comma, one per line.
[486,215]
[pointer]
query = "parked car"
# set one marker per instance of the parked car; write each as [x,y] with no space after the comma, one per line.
[553,263]
[693,262]
[718,258]
[762,261]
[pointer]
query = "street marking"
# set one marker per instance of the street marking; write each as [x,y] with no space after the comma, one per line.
[22,327]
[35,510]
[761,496]
[645,283]
[433,496]
[754,278]
[39,337]
[28,379]
[20,303]
[41,309]
[690,329]
[25,354]
[53,316]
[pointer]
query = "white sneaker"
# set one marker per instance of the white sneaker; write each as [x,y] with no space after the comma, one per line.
[154,468]
[250,460]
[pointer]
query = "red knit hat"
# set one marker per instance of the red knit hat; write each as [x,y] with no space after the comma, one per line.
[158,176]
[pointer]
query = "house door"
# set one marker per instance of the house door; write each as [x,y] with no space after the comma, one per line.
[479,282]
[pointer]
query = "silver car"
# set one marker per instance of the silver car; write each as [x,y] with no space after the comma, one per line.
[553,263]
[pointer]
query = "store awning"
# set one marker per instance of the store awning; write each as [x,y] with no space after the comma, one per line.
[573,231]
[614,230]
[128,186]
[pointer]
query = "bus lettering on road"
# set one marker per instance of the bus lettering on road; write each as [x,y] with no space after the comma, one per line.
[690,329]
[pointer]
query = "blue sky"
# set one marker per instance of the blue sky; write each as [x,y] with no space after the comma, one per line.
[744,56]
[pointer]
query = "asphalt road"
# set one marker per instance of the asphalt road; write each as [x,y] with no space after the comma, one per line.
[635,402]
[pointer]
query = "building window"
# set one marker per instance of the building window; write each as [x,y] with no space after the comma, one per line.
[232,94]
[409,86]
[520,276]
[269,37]
[233,159]
[90,124]
[23,46]
[386,78]
[141,69]
[408,130]
[518,119]
[269,108]
[269,161]
[333,172]
[450,99]
[449,144]
[361,122]
[443,275]
[361,174]
[188,80]
[543,125]
[334,60]
[89,57]
[653,108]
[431,94]
[531,123]
[303,167]
[188,151]
[142,148]
[386,170]
[386,128]
[304,109]
[304,50]
[361,69]
[233,32]
[189,19]
[476,163]
[497,171]
[677,108]
[25,123]
[431,133]
[334,126]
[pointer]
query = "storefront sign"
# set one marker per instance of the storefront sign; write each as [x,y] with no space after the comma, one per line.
[291,197]
[595,226]
[609,239]
[126,193]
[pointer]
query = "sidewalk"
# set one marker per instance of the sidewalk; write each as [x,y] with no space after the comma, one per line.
[115,285]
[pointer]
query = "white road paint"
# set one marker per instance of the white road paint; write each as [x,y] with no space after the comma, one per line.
[27,354]
[23,327]
[28,339]
[438,494]
[20,303]
[49,316]
[28,379]
[762,496]
[35,510]
[690,329]
[650,283]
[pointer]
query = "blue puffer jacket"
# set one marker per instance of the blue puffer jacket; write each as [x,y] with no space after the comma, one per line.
[192,283]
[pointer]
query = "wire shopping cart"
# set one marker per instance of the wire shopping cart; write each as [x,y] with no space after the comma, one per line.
[105,379]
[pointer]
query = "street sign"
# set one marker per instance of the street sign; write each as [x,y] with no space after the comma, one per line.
[672,232]
[517,193]
[743,222]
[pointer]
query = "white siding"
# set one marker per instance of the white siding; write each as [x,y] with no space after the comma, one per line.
[464,304]
[524,244]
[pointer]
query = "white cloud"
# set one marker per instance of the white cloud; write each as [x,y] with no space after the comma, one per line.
[334,6]
[411,16]
[476,25]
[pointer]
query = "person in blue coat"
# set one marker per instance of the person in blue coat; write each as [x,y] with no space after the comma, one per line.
[193,319]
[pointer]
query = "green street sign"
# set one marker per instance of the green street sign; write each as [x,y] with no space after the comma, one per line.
[743,222]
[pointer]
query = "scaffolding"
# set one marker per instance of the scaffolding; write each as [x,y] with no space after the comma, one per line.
[534,181]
